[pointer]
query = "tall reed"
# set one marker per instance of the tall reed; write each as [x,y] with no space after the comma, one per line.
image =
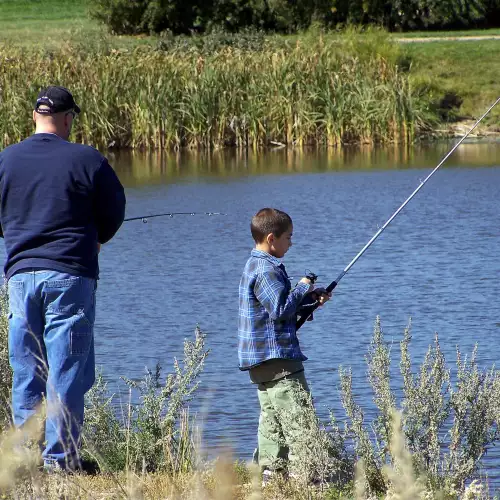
[317,91]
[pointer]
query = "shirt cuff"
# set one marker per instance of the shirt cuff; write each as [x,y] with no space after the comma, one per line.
[302,287]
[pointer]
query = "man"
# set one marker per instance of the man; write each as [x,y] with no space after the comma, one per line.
[59,202]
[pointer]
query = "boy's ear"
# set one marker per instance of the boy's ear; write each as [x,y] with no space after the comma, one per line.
[270,239]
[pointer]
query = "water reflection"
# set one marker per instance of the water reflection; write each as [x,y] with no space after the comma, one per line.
[138,168]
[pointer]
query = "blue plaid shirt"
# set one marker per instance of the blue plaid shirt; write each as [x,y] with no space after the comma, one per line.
[268,312]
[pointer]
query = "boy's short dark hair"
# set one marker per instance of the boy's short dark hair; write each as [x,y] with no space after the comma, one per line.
[267,221]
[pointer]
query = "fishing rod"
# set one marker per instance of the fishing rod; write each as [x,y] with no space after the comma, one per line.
[145,218]
[311,304]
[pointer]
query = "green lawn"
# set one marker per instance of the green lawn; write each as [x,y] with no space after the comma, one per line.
[469,69]
[44,23]
[54,23]
[42,10]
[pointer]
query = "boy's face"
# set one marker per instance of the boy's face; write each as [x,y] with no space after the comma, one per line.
[279,246]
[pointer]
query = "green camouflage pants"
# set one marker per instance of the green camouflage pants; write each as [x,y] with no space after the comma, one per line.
[279,401]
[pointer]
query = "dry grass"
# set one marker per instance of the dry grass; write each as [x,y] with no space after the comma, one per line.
[222,480]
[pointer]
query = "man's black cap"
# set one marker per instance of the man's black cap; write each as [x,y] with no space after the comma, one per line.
[55,100]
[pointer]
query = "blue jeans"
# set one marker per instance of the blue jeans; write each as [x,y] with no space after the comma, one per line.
[51,351]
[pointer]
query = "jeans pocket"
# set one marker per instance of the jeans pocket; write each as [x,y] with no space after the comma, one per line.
[16,298]
[70,313]
[81,335]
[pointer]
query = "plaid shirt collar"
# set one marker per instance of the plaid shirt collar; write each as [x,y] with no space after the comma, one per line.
[264,255]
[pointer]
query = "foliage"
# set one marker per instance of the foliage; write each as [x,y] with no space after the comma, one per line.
[247,40]
[150,16]
[319,453]
[121,16]
[432,448]
[290,16]
[156,16]
[155,435]
[413,14]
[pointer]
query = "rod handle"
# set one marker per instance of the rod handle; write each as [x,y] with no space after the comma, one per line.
[307,310]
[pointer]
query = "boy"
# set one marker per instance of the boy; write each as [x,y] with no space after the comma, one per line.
[268,347]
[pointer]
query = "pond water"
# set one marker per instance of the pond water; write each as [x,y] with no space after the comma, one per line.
[438,263]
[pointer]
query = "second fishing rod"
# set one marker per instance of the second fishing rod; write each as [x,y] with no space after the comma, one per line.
[145,218]
[311,304]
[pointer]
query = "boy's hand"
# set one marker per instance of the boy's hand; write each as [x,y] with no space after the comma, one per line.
[322,295]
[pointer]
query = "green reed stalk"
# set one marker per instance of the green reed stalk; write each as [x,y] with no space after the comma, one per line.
[314,92]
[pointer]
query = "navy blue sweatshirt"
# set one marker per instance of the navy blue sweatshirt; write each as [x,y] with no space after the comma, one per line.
[57,201]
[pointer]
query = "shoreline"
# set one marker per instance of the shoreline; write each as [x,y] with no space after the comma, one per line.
[460,128]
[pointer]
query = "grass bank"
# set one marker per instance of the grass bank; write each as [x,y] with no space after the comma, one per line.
[247,91]
[467,70]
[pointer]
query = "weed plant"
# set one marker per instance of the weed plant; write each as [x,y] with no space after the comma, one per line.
[448,420]
[155,434]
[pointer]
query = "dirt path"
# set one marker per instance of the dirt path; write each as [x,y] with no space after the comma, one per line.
[448,39]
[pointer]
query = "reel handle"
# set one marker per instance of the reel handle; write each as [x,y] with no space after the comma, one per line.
[312,277]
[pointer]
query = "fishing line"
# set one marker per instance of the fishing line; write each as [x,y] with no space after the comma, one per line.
[308,307]
[145,218]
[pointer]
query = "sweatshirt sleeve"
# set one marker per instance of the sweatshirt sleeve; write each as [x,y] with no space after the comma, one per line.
[109,202]
[271,292]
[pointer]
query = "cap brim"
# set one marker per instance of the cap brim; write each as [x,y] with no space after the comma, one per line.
[77,108]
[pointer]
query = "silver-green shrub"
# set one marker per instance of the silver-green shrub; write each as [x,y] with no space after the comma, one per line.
[156,433]
[364,449]
[448,420]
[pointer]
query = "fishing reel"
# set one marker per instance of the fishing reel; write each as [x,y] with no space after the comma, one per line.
[312,277]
